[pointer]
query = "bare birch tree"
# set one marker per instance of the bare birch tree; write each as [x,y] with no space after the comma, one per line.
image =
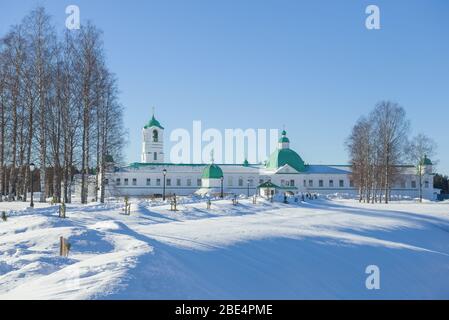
[418,150]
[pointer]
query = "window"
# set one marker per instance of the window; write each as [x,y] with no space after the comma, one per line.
[320,183]
[403,185]
[292,183]
[341,183]
[155,136]
[426,184]
[198,182]
[189,182]
[106,181]
[414,184]
[134,181]
[240,182]
[310,183]
[260,181]
[126,181]
[117,181]
[351,183]
[148,182]
[230,181]
[155,156]
[282,182]
[178,182]
[305,183]
[168,182]
[251,182]
[331,183]
[158,182]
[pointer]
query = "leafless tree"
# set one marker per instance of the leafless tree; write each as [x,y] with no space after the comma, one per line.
[42,48]
[418,150]
[57,96]
[376,148]
[390,129]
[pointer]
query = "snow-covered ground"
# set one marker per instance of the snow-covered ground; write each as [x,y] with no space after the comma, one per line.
[315,249]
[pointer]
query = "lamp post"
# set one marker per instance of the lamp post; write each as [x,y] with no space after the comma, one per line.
[247,191]
[164,172]
[31,182]
[221,180]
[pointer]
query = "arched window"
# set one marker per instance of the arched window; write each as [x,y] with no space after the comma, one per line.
[155,136]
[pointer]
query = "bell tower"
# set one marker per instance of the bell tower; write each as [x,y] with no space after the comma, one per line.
[153,142]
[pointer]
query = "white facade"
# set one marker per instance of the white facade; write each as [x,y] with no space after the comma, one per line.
[284,169]
[147,179]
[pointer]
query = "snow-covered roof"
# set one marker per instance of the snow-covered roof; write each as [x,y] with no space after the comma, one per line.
[327,169]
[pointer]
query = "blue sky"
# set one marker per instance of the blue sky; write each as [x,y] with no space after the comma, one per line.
[309,65]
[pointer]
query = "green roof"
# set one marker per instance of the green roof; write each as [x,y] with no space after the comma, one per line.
[153,123]
[268,184]
[212,171]
[281,157]
[426,161]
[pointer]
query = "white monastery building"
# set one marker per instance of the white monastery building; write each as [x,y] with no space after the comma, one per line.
[284,172]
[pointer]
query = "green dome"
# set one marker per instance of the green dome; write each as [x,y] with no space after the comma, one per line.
[281,157]
[153,123]
[426,161]
[284,138]
[212,171]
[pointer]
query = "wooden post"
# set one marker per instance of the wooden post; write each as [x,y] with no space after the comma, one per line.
[64,247]
[127,208]
[61,246]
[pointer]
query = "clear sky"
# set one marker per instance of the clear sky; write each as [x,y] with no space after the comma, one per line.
[309,65]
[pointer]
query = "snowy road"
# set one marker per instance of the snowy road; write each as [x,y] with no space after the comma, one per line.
[318,249]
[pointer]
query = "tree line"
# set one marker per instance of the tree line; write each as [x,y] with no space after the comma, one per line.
[441,182]
[379,145]
[59,109]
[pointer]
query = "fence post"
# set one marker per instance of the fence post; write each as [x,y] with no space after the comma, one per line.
[61,246]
